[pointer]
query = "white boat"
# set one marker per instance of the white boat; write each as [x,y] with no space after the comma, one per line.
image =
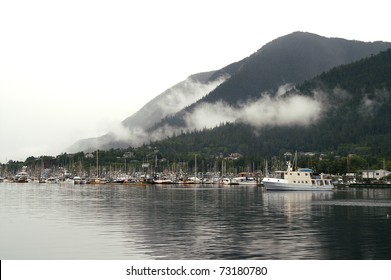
[248,181]
[302,179]
[192,180]
[21,177]
[211,180]
[77,180]
[225,181]
[165,181]
[228,181]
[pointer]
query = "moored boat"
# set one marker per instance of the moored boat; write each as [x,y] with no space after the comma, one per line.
[248,181]
[192,180]
[228,181]
[77,180]
[211,180]
[164,181]
[302,179]
[21,177]
[93,181]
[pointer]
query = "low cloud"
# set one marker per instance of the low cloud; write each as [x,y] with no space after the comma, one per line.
[370,103]
[186,94]
[268,110]
[168,103]
[208,115]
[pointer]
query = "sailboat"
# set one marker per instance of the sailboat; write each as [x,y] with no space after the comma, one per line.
[193,180]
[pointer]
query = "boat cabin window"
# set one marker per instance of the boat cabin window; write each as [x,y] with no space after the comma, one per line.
[313,182]
[326,182]
[298,174]
[316,176]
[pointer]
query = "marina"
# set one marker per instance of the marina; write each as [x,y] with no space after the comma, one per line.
[301,179]
[283,174]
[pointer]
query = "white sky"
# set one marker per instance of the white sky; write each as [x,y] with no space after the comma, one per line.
[69,69]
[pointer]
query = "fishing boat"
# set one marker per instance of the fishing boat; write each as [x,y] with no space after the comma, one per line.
[302,179]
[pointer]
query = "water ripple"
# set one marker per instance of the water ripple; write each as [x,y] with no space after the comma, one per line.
[361,203]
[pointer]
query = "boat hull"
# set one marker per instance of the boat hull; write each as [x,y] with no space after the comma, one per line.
[284,186]
[249,183]
[163,182]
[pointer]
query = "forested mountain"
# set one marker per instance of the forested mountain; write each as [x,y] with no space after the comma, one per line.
[353,116]
[237,92]
[288,60]
[358,114]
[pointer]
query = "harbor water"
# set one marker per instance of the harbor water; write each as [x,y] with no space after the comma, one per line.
[66,221]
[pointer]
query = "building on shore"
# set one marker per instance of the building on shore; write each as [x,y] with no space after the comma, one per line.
[374,174]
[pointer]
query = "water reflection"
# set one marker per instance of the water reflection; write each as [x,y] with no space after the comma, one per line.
[177,222]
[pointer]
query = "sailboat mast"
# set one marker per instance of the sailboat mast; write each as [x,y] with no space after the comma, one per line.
[195,166]
[97,163]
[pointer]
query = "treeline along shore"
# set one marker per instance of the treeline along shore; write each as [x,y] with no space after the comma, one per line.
[150,164]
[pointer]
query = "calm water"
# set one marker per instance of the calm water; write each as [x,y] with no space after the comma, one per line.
[40,221]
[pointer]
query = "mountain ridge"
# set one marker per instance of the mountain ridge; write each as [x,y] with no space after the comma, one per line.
[290,59]
[265,70]
[355,119]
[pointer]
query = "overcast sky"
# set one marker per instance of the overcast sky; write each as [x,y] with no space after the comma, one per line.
[70,69]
